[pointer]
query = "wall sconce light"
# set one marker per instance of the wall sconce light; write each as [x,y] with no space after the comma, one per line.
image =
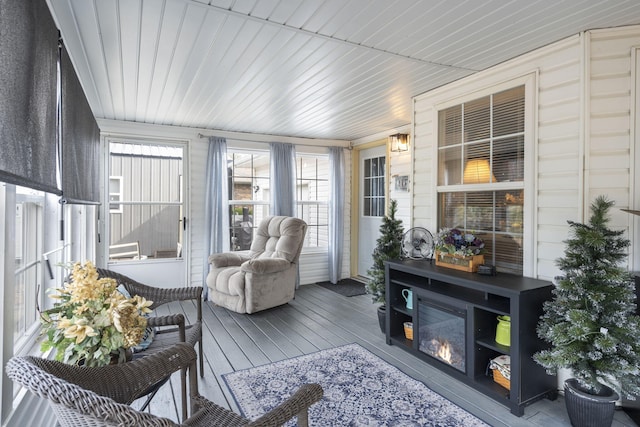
[477,171]
[399,142]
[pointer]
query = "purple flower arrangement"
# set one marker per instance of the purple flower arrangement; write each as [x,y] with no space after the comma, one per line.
[455,242]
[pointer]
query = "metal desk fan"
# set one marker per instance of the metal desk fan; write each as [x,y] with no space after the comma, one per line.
[417,243]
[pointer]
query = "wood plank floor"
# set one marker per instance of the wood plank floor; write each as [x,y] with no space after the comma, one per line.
[319,319]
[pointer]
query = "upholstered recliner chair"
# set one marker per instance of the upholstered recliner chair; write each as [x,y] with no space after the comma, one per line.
[264,276]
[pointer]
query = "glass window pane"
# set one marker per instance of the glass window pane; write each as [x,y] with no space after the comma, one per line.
[508,159]
[28,243]
[450,126]
[479,212]
[474,212]
[375,206]
[477,169]
[477,119]
[156,228]
[508,112]
[450,166]
[451,210]
[149,213]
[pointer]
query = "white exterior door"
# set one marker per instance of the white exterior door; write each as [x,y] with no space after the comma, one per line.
[372,192]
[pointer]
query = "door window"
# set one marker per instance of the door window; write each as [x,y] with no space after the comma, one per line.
[147,219]
[374,184]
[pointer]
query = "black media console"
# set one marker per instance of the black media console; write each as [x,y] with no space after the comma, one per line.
[461,309]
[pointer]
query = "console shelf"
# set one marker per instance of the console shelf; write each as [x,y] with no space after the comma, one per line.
[481,299]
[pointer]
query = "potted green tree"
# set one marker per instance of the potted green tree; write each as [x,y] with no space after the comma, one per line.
[388,246]
[590,321]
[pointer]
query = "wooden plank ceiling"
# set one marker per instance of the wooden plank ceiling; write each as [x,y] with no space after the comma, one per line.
[332,69]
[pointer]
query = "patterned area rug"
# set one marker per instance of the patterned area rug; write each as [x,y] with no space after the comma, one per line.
[360,389]
[346,287]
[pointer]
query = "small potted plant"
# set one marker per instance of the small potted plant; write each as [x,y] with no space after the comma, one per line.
[591,323]
[458,250]
[388,247]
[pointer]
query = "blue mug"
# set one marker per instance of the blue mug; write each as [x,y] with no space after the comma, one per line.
[407,294]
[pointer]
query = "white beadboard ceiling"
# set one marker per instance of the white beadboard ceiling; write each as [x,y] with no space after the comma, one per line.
[332,69]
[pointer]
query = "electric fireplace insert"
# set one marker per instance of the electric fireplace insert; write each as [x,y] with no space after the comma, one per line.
[442,333]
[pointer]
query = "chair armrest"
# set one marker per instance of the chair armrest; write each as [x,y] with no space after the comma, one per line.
[228,259]
[298,404]
[123,382]
[265,265]
[169,320]
[159,296]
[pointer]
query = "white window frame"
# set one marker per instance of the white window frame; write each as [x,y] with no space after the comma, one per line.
[530,82]
[267,203]
[379,198]
[309,203]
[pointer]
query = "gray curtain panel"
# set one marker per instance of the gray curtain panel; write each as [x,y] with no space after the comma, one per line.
[283,179]
[336,212]
[216,203]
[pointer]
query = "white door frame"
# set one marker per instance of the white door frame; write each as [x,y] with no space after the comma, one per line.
[355,197]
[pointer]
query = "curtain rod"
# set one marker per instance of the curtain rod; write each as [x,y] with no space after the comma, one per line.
[200,135]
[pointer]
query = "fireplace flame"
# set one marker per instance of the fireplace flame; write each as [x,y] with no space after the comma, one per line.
[444,351]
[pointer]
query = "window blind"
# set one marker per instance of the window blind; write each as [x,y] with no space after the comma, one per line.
[80,140]
[481,142]
[486,133]
[28,68]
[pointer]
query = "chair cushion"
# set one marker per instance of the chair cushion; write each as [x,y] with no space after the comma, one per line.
[279,237]
[229,281]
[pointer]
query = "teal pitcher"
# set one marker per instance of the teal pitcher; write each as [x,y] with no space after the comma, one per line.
[407,294]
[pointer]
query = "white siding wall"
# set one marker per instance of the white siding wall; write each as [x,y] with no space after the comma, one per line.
[400,165]
[583,138]
[610,136]
[554,186]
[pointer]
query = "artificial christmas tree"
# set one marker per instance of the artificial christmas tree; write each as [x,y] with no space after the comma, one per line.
[388,246]
[591,322]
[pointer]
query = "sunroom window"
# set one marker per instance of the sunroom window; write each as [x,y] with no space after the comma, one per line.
[312,194]
[250,196]
[481,173]
[249,193]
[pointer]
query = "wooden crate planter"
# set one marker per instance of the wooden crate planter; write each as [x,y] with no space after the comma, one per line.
[469,263]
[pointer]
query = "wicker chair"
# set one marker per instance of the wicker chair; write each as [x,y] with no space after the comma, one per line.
[179,332]
[82,396]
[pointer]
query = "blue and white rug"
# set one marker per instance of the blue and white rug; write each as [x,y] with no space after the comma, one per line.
[360,389]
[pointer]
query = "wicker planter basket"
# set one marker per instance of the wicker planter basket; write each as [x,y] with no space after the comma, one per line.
[501,369]
[497,377]
[469,263]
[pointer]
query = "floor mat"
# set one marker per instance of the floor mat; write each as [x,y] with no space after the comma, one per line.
[346,287]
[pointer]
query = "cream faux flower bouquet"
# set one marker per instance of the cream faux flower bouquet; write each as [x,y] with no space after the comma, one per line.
[92,321]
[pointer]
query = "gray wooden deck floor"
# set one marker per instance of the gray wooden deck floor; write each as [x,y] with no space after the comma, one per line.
[318,319]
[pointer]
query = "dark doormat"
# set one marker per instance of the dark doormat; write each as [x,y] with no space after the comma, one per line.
[346,287]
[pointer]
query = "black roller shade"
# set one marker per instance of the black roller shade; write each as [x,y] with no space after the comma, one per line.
[28,62]
[80,140]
